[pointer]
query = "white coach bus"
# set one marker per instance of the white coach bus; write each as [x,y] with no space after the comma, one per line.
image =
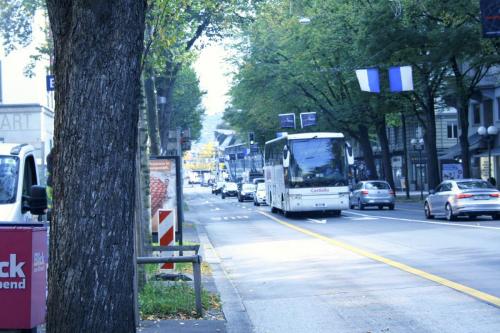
[308,172]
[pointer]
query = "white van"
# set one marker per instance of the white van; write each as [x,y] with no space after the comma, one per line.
[21,196]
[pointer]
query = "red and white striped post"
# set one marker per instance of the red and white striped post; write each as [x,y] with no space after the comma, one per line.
[166,232]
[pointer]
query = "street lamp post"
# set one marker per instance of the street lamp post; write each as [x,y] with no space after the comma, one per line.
[418,145]
[489,134]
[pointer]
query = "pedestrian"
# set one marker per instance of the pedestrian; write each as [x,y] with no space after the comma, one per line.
[492,181]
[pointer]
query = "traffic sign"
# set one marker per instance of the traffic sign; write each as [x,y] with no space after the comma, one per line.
[51,82]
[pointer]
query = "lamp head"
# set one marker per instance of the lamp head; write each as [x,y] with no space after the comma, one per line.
[413,141]
[481,130]
[492,130]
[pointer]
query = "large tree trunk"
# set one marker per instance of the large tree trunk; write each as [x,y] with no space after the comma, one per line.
[433,177]
[366,146]
[386,154]
[462,106]
[98,46]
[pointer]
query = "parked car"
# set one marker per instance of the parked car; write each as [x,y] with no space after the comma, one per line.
[229,189]
[464,197]
[217,187]
[259,197]
[245,192]
[372,193]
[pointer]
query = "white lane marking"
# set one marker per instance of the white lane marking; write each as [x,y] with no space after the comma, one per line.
[216,218]
[226,218]
[215,209]
[364,218]
[233,218]
[317,221]
[427,222]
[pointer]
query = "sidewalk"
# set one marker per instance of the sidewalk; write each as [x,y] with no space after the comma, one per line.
[188,326]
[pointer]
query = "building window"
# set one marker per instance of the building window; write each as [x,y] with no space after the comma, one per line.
[452,130]
[476,114]
[1,99]
[488,112]
[498,108]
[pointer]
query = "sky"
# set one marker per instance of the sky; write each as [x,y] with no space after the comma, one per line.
[213,71]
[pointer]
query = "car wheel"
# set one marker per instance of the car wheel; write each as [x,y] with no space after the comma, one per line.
[223,196]
[449,213]
[360,205]
[391,207]
[495,216]
[351,206]
[274,210]
[427,212]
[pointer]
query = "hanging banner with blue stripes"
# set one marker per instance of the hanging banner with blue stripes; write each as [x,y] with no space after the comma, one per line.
[368,79]
[307,119]
[400,79]
[287,120]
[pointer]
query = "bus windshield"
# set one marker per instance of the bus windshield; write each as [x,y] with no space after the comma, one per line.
[8,179]
[317,162]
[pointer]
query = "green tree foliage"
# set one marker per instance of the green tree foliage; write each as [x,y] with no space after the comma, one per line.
[186,101]
[290,67]
[16,18]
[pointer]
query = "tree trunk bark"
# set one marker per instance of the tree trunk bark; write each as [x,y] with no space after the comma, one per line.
[98,47]
[462,106]
[433,177]
[152,111]
[386,153]
[366,146]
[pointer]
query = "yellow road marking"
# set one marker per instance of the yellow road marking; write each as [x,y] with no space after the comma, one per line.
[445,282]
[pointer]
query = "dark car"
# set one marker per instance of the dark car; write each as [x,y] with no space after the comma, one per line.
[229,190]
[245,192]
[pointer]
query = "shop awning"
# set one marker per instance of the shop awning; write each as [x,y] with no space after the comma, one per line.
[494,152]
[475,143]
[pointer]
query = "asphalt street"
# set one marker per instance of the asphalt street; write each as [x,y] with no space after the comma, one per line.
[365,271]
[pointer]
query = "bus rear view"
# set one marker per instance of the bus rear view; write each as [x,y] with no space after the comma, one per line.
[308,172]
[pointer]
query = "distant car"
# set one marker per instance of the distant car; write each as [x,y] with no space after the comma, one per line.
[259,197]
[258,180]
[245,192]
[229,190]
[372,193]
[217,187]
[464,197]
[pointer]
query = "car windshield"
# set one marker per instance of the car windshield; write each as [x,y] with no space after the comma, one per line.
[9,167]
[248,187]
[474,184]
[377,186]
[318,162]
[261,186]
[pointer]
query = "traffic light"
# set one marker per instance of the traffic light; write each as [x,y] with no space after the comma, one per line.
[251,137]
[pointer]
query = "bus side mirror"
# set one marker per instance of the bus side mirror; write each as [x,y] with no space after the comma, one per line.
[349,154]
[286,158]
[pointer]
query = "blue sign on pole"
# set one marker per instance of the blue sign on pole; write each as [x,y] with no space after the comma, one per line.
[490,18]
[51,83]
[307,119]
[287,120]
[280,134]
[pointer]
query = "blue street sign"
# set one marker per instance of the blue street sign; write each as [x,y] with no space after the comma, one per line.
[51,83]
[287,120]
[307,119]
[280,134]
[490,18]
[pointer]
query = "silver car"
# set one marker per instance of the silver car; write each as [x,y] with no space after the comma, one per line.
[464,197]
[372,193]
